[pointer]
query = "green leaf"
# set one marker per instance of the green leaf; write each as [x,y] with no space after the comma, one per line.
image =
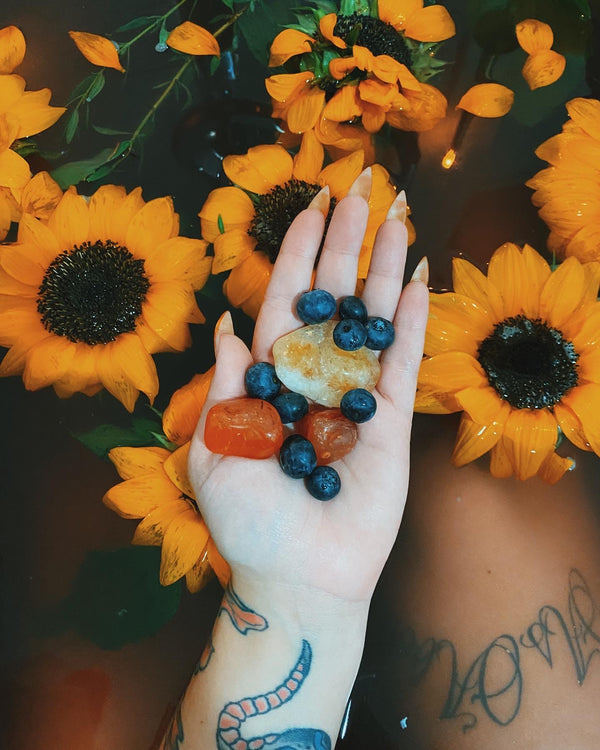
[97,86]
[261,23]
[72,125]
[117,597]
[137,23]
[25,147]
[228,3]
[141,432]
[163,34]
[214,64]
[109,131]
[81,88]
[348,7]
[74,172]
[221,224]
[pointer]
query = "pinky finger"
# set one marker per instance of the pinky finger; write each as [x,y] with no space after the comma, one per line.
[400,363]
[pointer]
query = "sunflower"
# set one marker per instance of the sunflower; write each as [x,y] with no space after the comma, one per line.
[89,294]
[157,490]
[361,69]
[567,192]
[247,222]
[518,352]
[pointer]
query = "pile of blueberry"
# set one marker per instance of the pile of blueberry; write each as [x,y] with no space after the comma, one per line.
[356,328]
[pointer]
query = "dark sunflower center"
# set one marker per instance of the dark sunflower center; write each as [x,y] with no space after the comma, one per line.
[92,293]
[529,363]
[378,37]
[274,212]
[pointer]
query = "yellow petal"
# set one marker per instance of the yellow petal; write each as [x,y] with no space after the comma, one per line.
[344,105]
[537,272]
[585,113]
[529,437]
[199,574]
[473,440]
[70,220]
[534,36]
[125,368]
[397,12]
[584,402]
[309,159]
[122,217]
[97,49]
[563,293]
[340,174]
[38,239]
[228,206]
[34,114]
[450,372]
[183,411]
[246,284]
[192,39]
[419,110]
[305,110]
[554,468]
[47,362]
[487,100]
[14,170]
[154,223]
[571,426]
[483,405]
[327,26]
[179,260]
[12,48]
[455,322]
[507,273]
[183,543]
[41,196]
[151,530]
[288,43]
[133,462]
[11,91]
[231,248]
[543,68]
[585,243]
[427,403]
[500,463]
[103,204]
[176,469]
[167,311]
[260,169]
[285,86]
[430,24]
[469,281]
[136,497]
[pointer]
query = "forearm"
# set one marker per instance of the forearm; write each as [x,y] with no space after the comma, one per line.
[280,661]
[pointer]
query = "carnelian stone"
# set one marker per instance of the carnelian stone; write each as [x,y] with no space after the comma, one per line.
[333,435]
[247,427]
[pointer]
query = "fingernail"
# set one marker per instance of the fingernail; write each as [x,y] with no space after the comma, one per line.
[398,208]
[321,201]
[421,272]
[223,325]
[362,184]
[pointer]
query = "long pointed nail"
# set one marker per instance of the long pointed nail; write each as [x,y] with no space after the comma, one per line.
[224,325]
[398,208]
[362,184]
[421,272]
[321,200]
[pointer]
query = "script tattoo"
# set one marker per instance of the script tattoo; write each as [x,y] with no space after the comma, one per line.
[494,682]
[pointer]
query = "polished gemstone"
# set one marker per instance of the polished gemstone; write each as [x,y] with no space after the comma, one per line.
[247,427]
[307,361]
[333,435]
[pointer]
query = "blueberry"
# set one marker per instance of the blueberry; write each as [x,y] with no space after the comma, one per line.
[297,456]
[291,406]
[380,333]
[261,381]
[323,482]
[353,307]
[316,306]
[349,334]
[358,405]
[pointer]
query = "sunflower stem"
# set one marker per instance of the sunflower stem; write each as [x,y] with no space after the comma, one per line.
[157,22]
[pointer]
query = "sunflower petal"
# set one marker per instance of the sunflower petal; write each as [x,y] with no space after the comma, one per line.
[231,248]
[133,462]
[543,68]
[507,273]
[327,26]
[136,497]
[227,206]
[430,24]
[41,196]
[554,468]
[585,243]
[571,426]
[125,368]
[455,322]
[167,309]
[584,402]
[344,105]
[529,438]
[340,174]
[154,223]
[473,440]
[176,469]
[183,543]
[450,372]
[534,36]
[70,221]
[487,100]
[151,529]
[563,293]
[97,49]
[260,169]
[103,205]
[285,86]
[500,463]
[309,159]
[34,113]
[483,405]
[439,403]
[247,283]
[47,362]
[179,260]
[12,48]
[585,113]
[14,170]
[288,43]
[183,411]
[192,39]
[468,281]
[199,574]
[305,110]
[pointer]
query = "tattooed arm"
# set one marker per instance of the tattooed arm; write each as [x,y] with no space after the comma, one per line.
[493,634]
[289,636]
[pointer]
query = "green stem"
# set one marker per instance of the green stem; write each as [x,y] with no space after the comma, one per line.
[126,45]
[83,97]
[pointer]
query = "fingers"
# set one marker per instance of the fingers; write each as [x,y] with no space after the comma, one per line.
[400,363]
[291,276]
[386,271]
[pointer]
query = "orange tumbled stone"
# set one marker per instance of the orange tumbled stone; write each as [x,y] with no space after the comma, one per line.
[333,435]
[246,427]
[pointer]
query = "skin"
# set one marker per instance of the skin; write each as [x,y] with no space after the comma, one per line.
[307,568]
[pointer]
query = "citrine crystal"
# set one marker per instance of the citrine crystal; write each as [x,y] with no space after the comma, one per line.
[332,435]
[308,362]
[247,427]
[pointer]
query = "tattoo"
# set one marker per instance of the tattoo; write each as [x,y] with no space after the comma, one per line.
[174,735]
[494,682]
[234,714]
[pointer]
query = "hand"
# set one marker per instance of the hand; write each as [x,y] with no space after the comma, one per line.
[267,525]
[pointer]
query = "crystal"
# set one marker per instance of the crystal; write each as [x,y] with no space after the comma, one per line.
[333,435]
[307,361]
[247,427]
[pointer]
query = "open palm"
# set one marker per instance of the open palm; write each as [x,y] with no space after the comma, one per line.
[266,524]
